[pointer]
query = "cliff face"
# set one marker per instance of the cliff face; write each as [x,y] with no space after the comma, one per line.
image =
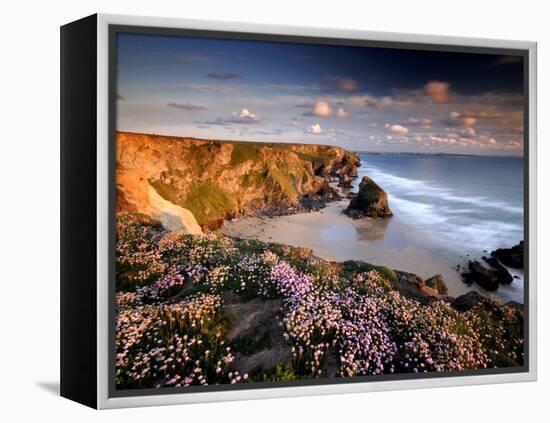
[191,184]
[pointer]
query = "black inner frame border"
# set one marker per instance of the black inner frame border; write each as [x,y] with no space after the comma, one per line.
[114,29]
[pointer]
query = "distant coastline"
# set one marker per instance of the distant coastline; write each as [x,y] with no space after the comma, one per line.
[390,153]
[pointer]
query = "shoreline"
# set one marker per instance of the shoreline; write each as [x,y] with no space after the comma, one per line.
[388,242]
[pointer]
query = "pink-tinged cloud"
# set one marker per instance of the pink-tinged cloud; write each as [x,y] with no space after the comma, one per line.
[322,109]
[424,123]
[399,129]
[456,119]
[341,113]
[437,91]
[315,129]
[348,84]
[379,103]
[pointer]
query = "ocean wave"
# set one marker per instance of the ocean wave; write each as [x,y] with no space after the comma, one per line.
[462,223]
[419,211]
[403,186]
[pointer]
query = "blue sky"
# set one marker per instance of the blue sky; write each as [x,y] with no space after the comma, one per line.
[364,99]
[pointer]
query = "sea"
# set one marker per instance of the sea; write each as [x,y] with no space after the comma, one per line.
[470,204]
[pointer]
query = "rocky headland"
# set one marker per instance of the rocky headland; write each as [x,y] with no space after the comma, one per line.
[194,185]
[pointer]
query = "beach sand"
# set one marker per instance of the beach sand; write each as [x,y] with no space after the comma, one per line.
[390,242]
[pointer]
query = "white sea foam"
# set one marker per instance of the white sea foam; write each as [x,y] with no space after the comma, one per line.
[462,222]
[422,188]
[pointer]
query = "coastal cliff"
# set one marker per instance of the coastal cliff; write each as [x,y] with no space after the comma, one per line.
[193,184]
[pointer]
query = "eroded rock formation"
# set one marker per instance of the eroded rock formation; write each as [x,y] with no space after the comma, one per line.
[370,201]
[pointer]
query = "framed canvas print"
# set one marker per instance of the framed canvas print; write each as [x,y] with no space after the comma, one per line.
[254,211]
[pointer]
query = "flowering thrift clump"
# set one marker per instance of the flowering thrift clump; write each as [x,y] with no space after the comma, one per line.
[169,284]
[179,344]
[138,260]
[171,328]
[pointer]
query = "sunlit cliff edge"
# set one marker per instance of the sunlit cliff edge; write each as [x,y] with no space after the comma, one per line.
[192,184]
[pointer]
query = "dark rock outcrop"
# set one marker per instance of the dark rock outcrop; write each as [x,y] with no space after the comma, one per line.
[482,275]
[467,301]
[500,271]
[437,283]
[344,181]
[255,334]
[412,286]
[371,201]
[511,257]
[486,276]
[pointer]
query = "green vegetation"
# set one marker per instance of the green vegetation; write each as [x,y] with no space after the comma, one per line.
[333,320]
[361,266]
[243,152]
[286,181]
[209,202]
[252,343]
[318,160]
[370,191]
[278,374]
[166,191]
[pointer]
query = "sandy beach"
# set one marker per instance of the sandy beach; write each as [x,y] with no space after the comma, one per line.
[389,242]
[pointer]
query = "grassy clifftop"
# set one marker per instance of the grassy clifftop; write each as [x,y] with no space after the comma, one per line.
[215,180]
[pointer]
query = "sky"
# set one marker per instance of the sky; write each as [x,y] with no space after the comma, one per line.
[360,98]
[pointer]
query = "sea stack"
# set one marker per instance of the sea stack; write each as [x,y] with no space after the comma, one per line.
[371,201]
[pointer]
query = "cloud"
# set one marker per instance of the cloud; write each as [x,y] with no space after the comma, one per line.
[187,106]
[339,83]
[504,60]
[274,131]
[424,123]
[120,97]
[437,91]
[244,117]
[457,119]
[483,114]
[399,129]
[267,131]
[224,76]
[245,113]
[348,84]
[314,129]
[468,132]
[379,103]
[341,113]
[322,109]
